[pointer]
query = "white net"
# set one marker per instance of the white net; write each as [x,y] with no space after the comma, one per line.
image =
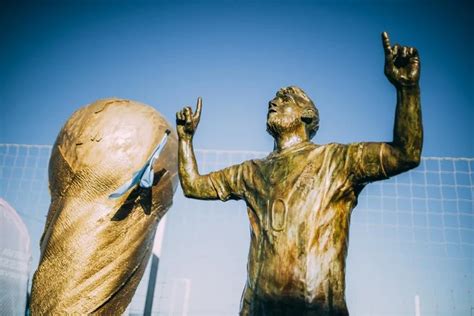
[412,236]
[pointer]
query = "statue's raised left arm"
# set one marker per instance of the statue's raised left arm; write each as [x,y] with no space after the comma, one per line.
[402,68]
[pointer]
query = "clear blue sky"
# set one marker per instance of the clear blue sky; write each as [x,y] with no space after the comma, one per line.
[58,56]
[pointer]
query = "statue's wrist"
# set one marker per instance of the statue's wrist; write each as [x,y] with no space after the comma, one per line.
[186,138]
[408,91]
[412,87]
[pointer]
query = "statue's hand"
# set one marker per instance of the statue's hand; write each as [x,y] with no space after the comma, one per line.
[402,64]
[187,122]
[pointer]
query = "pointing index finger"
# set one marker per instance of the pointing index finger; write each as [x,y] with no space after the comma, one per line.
[386,43]
[197,114]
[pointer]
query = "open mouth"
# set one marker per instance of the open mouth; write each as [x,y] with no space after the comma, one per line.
[271,111]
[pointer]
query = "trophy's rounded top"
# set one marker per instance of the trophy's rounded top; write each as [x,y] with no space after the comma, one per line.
[109,140]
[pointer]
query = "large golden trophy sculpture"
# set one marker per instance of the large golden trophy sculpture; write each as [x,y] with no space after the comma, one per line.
[112,176]
[300,197]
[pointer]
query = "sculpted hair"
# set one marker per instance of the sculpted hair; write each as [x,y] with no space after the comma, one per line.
[310,113]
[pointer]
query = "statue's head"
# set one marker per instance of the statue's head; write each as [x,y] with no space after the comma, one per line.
[291,108]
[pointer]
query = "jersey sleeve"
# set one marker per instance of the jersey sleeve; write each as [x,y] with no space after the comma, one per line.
[365,161]
[229,183]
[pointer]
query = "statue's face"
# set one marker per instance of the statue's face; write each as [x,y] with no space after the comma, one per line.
[284,114]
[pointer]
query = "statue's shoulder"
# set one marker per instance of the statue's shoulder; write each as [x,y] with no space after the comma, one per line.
[252,163]
[248,165]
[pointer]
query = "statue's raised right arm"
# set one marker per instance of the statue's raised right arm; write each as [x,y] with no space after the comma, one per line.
[194,185]
[402,68]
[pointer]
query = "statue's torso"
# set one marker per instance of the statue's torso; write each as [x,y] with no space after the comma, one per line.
[299,205]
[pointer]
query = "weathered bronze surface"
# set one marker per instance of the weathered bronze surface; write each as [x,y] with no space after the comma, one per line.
[94,249]
[300,197]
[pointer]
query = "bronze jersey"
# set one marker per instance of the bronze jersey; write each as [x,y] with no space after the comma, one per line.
[299,204]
